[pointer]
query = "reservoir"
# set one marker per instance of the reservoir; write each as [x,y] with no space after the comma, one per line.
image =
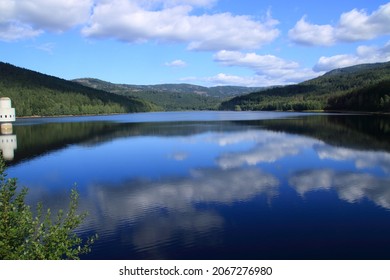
[215,185]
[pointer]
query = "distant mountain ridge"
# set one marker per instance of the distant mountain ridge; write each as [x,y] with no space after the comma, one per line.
[363,87]
[217,91]
[172,97]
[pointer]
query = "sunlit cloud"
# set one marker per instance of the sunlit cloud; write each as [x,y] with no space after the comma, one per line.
[269,69]
[355,25]
[28,19]
[311,34]
[130,22]
[363,54]
[253,60]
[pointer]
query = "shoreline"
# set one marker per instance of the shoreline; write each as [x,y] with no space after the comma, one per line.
[65,116]
[113,114]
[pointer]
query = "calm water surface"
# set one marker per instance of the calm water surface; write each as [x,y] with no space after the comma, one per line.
[216,185]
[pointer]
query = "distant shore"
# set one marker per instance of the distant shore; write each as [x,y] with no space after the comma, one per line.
[65,116]
[112,114]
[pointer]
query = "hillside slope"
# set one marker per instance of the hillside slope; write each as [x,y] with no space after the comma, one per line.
[217,91]
[33,93]
[360,85]
[172,97]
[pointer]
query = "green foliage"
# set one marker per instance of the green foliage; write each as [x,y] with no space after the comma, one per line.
[372,98]
[177,101]
[33,93]
[217,92]
[358,88]
[164,97]
[40,236]
[172,97]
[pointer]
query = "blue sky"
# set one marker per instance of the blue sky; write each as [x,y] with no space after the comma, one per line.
[204,42]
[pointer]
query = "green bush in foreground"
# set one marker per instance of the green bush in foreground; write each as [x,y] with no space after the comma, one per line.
[28,236]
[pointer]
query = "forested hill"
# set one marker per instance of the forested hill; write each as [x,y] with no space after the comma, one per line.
[33,93]
[217,91]
[173,97]
[363,87]
[358,88]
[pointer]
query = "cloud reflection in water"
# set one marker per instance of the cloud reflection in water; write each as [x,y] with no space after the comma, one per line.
[351,187]
[182,196]
[163,208]
[269,147]
[362,159]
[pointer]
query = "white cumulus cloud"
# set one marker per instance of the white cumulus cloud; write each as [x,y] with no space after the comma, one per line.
[269,69]
[364,54]
[25,19]
[358,25]
[353,26]
[311,34]
[131,22]
[253,60]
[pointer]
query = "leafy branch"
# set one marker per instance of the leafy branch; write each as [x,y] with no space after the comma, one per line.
[24,235]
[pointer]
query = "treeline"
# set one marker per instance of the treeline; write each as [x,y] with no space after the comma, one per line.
[176,101]
[170,97]
[289,98]
[33,93]
[358,88]
[221,92]
[371,98]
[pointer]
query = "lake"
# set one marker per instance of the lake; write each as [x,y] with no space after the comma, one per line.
[215,185]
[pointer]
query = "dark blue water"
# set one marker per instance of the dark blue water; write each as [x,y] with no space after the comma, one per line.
[216,185]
